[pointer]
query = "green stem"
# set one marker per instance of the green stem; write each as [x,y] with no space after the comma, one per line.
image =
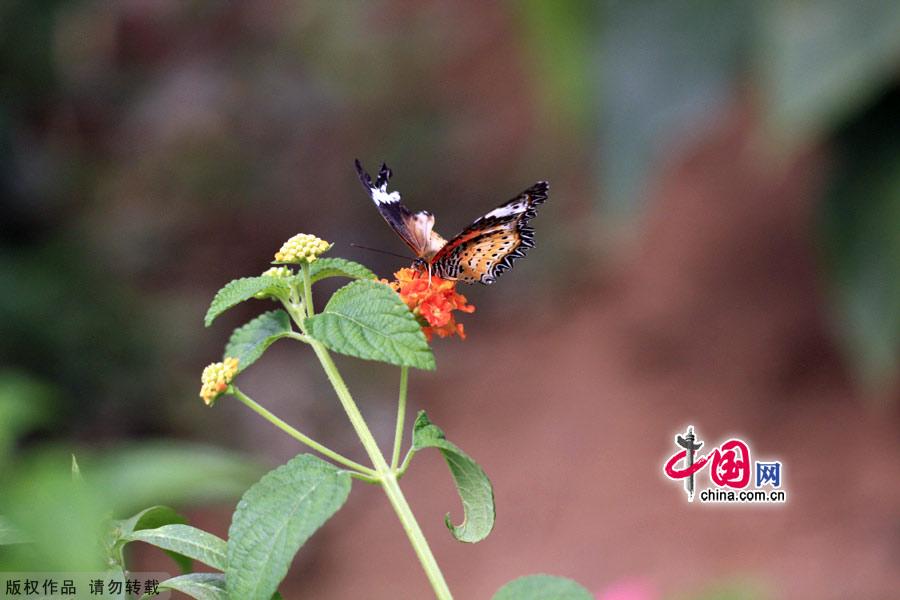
[307,289]
[405,464]
[386,474]
[302,438]
[298,336]
[298,314]
[401,416]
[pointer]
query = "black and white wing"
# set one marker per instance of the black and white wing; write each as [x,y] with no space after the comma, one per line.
[416,228]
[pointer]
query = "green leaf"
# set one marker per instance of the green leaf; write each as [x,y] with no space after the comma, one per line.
[150,518]
[561,46]
[25,403]
[243,289]
[820,62]
[666,67]
[169,472]
[542,587]
[10,534]
[275,518]
[62,520]
[338,267]
[249,341]
[473,485]
[186,540]
[202,586]
[368,320]
[860,231]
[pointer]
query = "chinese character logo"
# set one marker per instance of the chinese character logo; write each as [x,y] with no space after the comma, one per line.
[729,471]
[768,472]
[686,458]
[731,465]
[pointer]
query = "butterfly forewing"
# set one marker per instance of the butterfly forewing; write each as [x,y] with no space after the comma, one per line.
[488,247]
[415,228]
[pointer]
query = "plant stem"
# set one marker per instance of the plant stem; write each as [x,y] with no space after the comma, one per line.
[298,336]
[401,416]
[302,438]
[383,472]
[386,474]
[405,464]
[307,289]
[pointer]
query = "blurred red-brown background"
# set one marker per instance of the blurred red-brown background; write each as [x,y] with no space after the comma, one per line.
[721,247]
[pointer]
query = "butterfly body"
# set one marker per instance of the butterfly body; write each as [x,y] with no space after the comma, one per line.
[481,252]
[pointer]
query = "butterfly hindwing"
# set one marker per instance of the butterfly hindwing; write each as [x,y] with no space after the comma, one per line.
[488,247]
[414,227]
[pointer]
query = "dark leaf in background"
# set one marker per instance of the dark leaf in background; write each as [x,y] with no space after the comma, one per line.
[664,69]
[562,42]
[168,472]
[861,234]
[25,404]
[820,62]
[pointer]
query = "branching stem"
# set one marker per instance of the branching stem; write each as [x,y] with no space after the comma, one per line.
[301,437]
[384,473]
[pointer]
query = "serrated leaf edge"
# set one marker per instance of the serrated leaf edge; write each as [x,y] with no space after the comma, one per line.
[212,314]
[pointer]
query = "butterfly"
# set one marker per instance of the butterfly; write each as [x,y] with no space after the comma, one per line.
[481,252]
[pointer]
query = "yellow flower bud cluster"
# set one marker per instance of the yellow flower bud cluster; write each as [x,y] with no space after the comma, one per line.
[302,247]
[216,379]
[278,273]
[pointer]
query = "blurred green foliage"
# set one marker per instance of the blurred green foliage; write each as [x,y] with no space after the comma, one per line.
[820,64]
[817,71]
[62,317]
[53,517]
[741,589]
[860,224]
[663,69]
[25,404]
[560,41]
[65,321]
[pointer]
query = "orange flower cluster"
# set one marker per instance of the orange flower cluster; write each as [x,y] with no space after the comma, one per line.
[433,302]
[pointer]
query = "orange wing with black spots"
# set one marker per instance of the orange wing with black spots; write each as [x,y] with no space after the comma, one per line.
[488,247]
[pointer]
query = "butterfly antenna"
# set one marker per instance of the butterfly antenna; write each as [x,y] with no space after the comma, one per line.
[383,251]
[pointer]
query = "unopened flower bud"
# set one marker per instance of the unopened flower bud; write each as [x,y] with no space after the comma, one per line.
[302,248]
[216,378]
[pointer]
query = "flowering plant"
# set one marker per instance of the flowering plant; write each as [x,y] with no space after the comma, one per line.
[432,300]
[371,319]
